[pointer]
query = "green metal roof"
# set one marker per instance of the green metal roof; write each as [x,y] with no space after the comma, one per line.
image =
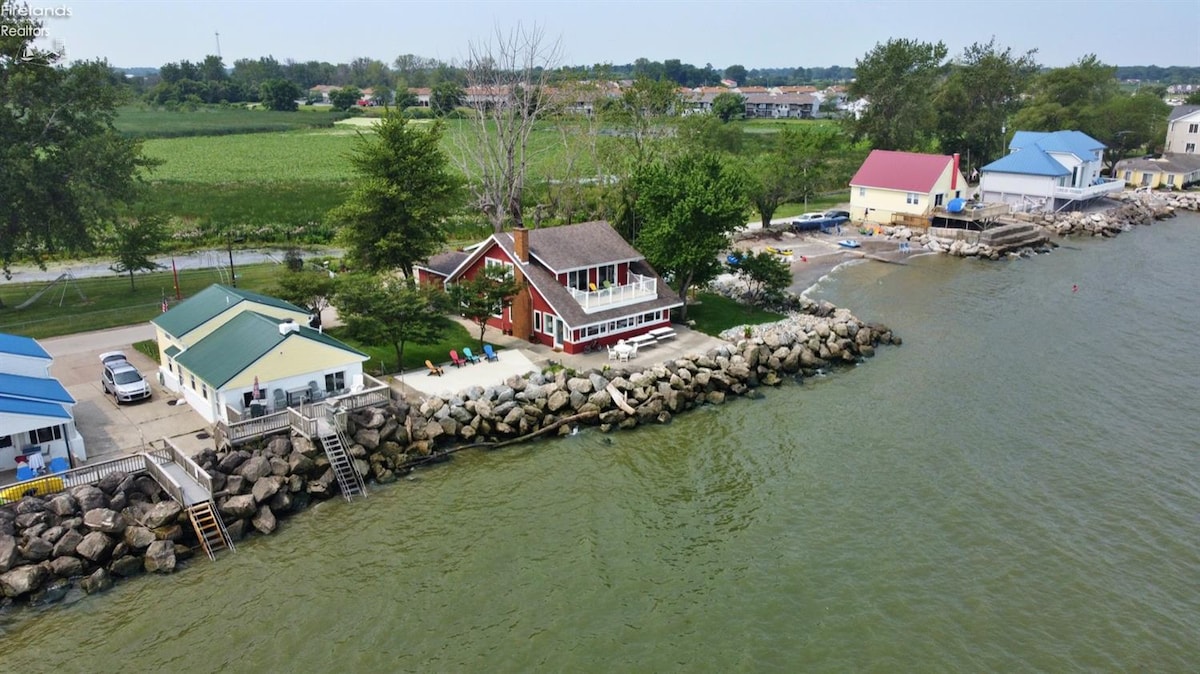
[238,344]
[204,305]
[171,351]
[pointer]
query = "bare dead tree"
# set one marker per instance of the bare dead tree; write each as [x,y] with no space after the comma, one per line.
[507,95]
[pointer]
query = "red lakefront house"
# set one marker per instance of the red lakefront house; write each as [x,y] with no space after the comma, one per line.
[584,284]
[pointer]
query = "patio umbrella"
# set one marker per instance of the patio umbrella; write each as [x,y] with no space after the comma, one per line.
[255,389]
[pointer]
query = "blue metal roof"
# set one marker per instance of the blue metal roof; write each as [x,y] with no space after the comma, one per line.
[1077,143]
[32,408]
[1031,160]
[22,346]
[34,388]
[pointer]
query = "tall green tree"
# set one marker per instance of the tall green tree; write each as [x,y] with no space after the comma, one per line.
[728,106]
[898,78]
[983,89]
[344,98]
[64,170]
[765,273]
[308,288]
[688,207]
[802,162]
[445,97]
[403,191]
[1069,98]
[280,95]
[737,74]
[1129,124]
[484,296]
[382,309]
[133,242]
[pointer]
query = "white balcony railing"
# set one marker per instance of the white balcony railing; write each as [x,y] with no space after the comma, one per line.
[638,289]
[1106,186]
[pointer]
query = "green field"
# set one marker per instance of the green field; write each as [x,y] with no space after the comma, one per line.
[141,121]
[100,302]
[307,155]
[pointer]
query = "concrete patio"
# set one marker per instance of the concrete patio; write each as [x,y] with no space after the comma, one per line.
[517,357]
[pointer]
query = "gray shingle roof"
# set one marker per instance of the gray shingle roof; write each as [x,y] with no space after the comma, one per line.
[445,263]
[586,244]
[1181,111]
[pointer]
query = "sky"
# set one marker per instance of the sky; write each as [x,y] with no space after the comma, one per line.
[751,33]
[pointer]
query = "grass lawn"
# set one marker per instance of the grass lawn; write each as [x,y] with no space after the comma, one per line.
[821,203]
[714,313]
[109,303]
[143,121]
[383,357]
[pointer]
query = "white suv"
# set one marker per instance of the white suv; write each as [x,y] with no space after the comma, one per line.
[121,379]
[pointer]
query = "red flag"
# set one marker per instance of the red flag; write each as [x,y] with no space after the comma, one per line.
[164,305]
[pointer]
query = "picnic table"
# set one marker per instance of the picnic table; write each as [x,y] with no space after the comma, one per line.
[660,334]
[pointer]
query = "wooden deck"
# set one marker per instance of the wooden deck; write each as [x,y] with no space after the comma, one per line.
[302,419]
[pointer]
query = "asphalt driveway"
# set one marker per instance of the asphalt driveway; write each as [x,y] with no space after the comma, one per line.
[109,429]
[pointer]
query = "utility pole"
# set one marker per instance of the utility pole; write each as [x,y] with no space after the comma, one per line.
[218,44]
[232,275]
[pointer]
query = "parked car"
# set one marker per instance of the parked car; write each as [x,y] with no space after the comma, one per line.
[811,222]
[121,379]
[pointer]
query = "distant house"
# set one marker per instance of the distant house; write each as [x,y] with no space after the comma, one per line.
[422,95]
[1183,130]
[890,185]
[322,92]
[223,345]
[584,284]
[35,410]
[1172,171]
[1047,172]
[780,106]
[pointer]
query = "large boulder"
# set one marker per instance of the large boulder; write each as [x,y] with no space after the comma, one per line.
[37,550]
[66,567]
[139,538]
[239,507]
[10,556]
[263,520]
[89,498]
[160,557]
[103,519]
[266,488]
[126,566]
[63,505]
[99,581]
[162,513]
[254,468]
[22,580]
[95,546]
[67,544]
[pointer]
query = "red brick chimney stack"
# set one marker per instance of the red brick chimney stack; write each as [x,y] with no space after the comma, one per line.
[521,244]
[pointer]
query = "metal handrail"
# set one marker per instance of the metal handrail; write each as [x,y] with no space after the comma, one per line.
[168,483]
[189,466]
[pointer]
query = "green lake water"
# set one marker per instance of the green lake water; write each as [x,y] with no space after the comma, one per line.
[1017,488]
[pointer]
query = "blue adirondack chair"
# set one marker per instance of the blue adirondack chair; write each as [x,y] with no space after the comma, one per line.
[490,353]
[24,473]
[471,358]
[59,464]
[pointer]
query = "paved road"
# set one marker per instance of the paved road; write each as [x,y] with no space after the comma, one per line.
[202,259]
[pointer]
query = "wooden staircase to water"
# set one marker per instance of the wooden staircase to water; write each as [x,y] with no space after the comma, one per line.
[210,530]
[334,442]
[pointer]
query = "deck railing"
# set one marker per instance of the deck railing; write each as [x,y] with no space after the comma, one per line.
[189,466]
[639,288]
[1104,186]
[168,483]
[303,418]
[91,474]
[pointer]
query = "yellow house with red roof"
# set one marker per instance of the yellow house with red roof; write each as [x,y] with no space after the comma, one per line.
[891,184]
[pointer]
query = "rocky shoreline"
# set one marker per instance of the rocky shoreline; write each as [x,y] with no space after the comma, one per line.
[1136,209]
[89,536]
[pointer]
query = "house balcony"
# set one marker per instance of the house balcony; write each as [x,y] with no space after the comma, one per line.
[639,289]
[1105,186]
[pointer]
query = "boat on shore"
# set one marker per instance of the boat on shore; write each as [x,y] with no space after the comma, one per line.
[849,243]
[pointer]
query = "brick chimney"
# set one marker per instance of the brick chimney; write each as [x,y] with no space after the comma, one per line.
[521,244]
[954,175]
